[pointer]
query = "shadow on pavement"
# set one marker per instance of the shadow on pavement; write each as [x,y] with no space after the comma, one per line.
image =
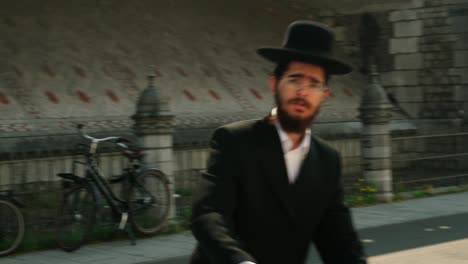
[414,234]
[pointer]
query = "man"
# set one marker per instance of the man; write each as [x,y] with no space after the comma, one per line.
[271,188]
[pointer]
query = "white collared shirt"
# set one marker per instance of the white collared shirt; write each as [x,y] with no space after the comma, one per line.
[292,157]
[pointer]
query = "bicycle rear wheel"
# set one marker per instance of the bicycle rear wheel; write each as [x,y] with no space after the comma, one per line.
[76,217]
[149,202]
[11,227]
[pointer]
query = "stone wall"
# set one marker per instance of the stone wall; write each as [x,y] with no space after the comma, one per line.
[423,53]
[429,79]
[430,69]
[423,60]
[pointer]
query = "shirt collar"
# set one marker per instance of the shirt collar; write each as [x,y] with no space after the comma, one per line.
[286,143]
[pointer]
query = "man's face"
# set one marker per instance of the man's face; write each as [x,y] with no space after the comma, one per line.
[299,94]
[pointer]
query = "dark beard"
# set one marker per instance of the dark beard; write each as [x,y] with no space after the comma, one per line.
[290,123]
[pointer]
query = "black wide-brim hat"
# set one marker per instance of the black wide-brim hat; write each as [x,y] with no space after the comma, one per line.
[310,42]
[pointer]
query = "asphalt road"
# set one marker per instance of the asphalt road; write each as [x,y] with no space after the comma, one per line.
[397,237]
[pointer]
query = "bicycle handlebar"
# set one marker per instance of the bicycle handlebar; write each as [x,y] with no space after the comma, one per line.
[95,141]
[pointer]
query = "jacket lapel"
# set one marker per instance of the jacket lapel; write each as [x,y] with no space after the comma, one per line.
[311,167]
[272,162]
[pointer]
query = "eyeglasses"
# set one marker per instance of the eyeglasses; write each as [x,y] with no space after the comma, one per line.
[310,85]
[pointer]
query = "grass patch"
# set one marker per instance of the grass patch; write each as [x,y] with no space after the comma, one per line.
[183,192]
[428,191]
[37,240]
[422,193]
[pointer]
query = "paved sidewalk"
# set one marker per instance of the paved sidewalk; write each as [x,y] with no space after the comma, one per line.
[157,249]
[453,252]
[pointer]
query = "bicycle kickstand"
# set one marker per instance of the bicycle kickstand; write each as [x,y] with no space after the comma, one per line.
[128,228]
[131,235]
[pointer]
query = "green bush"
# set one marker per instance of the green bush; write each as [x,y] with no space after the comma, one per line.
[366,194]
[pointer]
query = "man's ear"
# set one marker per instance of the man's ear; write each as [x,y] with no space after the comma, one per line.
[273,81]
[326,93]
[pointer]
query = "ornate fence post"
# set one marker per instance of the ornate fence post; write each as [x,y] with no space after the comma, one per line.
[375,115]
[376,139]
[154,125]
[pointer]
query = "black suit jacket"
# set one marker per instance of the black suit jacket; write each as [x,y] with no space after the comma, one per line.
[247,210]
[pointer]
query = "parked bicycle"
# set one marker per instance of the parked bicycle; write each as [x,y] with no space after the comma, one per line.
[146,200]
[11,223]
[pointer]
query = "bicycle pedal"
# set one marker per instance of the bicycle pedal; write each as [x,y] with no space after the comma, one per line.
[123,221]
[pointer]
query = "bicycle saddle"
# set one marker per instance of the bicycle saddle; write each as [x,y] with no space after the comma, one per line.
[133,154]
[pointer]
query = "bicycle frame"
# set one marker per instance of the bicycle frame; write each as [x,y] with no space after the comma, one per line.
[9,196]
[96,176]
[134,202]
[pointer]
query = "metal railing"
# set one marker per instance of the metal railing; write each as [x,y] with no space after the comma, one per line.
[422,161]
[430,161]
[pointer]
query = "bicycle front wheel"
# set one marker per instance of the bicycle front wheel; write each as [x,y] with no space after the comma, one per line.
[149,202]
[76,217]
[11,227]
